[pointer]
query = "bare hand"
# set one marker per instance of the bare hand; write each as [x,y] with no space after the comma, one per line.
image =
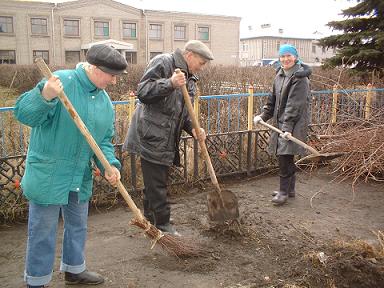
[52,88]
[178,79]
[257,119]
[113,176]
[201,135]
[286,135]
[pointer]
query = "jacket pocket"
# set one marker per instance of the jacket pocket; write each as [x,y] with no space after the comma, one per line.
[154,133]
[37,179]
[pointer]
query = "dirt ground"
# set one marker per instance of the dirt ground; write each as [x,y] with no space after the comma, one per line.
[326,237]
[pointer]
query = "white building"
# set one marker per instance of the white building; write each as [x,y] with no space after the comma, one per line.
[261,45]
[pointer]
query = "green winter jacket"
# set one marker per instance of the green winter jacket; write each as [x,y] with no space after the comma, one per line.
[59,158]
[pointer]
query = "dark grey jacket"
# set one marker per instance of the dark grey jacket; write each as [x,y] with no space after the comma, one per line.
[288,106]
[161,115]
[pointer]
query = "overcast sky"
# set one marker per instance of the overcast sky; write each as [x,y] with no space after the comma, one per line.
[297,16]
[304,16]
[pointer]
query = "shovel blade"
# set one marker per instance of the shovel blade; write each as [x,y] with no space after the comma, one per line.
[219,211]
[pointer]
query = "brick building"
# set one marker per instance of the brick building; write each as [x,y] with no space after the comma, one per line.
[61,33]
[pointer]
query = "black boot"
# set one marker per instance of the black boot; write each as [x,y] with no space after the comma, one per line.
[282,195]
[85,277]
[291,188]
[163,223]
[169,229]
[148,212]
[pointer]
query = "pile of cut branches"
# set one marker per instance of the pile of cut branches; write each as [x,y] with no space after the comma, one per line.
[362,141]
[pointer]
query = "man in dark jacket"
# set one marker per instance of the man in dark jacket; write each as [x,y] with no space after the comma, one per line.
[288,108]
[158,121]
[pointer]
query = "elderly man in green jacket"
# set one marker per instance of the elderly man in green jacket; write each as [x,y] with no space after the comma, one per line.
[58,174]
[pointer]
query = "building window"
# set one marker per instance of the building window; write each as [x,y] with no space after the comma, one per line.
[323,50]
[154,31]
[7,57]
[153,54]
[244,47]
[39,26]
[72,57]
[313,48]
[277,45]
[180,32]
[71,27]
[6,24]
[203,33]
[131,57]
[101,28]
[41,54]
[129,30]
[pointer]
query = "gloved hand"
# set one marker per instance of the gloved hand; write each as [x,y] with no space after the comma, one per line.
[257,119]
[286,135]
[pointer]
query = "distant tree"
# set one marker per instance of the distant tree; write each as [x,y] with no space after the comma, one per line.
[361,45]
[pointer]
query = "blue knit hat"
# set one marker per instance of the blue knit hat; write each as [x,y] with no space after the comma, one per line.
[288,49]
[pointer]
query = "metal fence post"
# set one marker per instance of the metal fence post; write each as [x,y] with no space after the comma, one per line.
[368,102]
[334,104]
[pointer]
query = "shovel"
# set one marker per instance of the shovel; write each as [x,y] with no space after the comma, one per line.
[222,204]
[315,155]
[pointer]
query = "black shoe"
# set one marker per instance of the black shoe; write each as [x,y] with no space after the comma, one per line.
[85,277]
[280,198]
[168,229]
[291,194]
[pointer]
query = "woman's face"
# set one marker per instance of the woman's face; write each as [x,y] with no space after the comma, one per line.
[102,79]
[287,61]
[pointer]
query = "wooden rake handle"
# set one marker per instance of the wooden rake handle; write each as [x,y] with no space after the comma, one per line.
[290,137]
[196,126]
[46,72]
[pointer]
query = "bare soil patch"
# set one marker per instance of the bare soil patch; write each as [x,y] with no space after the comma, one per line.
[325,237]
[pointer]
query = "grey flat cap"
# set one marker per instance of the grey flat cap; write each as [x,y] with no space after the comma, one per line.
[107,59]
[200,48]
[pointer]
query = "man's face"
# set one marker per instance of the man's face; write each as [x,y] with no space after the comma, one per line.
[287,61]
[103,79]
[195,62]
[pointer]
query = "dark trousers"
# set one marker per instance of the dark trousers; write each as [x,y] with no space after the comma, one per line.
[287,170]
[156,207]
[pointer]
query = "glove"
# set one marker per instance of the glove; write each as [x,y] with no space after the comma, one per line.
[257,119]
[286,135]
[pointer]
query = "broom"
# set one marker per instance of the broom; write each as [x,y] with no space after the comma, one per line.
[174,245]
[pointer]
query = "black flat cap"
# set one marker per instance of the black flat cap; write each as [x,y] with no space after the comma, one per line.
[107,59]
[200,48]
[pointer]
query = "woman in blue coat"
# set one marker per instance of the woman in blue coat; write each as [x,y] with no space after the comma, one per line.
[58,177]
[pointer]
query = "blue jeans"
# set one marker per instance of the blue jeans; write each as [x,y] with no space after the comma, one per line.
[41,245]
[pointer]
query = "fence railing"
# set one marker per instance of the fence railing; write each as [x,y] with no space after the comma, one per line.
[234,146]
[220,113]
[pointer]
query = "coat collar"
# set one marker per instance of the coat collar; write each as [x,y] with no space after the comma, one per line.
[85,81]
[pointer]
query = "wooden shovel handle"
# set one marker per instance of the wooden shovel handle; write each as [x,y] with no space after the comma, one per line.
[44,69]
[290,137]
[196,126]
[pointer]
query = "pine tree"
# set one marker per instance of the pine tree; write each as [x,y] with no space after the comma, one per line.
[361,46]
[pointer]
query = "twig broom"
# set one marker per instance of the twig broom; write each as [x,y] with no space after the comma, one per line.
[174,245]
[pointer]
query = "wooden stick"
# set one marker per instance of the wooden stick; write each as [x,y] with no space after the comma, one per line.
[290,137]
[203,147]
